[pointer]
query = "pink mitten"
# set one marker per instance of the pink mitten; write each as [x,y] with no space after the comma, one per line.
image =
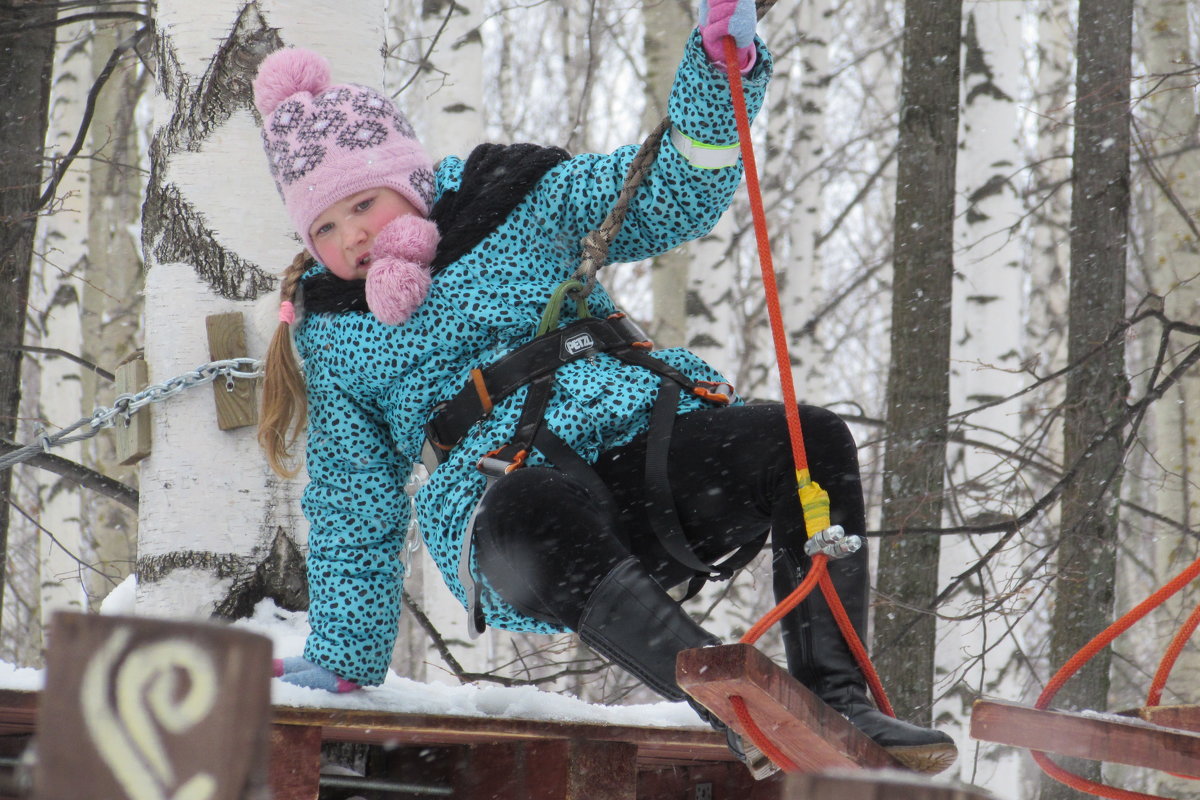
[721,18]
[399,276]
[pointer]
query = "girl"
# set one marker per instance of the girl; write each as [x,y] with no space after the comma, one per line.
[574,475]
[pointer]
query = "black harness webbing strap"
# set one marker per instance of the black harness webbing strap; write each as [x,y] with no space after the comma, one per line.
[563,456]
[541,356]
[660,501]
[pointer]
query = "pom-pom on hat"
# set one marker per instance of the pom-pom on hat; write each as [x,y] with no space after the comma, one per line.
[327,141]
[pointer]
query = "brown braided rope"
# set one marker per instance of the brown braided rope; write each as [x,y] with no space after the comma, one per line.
[596,243]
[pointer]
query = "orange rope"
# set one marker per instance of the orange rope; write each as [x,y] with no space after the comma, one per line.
[818,572]
[856,645]
[759,736]
[1102,640]
[1171,656]
[1105,637]
[766,264]
[784,607]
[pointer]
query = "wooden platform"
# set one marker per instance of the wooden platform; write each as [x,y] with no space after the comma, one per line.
[483,758]
[807,731]
[1163,737]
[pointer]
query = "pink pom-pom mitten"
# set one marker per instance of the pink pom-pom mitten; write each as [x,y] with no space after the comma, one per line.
[399,276]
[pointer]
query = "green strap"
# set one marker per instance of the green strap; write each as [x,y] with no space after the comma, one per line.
[572,288]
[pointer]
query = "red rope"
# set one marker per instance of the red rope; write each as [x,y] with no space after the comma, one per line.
[815,573]
[1102,640]
[759,736]
[766,264]
[856,645]
[818,573]
[1171,656]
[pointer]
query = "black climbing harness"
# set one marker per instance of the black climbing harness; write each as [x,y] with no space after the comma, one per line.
[534,364]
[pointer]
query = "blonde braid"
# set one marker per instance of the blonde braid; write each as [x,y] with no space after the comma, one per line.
[284,397]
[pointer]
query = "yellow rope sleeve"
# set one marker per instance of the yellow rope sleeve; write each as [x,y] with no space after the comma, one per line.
[815,502]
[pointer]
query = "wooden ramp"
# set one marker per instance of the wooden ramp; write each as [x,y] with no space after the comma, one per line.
[1162,737]
[807,731]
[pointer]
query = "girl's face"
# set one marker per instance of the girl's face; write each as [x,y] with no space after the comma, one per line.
[345,231]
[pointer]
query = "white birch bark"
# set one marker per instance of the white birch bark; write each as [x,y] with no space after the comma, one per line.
[48,520]
[449,93]
[112,296]
[984,359]
[666,24]
[796,141]
[209,507]
[1171,260]
[1043,338]
[56,296]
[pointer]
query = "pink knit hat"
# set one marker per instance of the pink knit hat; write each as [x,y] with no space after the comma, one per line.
[325,142]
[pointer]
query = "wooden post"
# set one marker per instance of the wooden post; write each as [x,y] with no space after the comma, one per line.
[141,709]
[133,436]
[236,408]
[295,762]
[882,785]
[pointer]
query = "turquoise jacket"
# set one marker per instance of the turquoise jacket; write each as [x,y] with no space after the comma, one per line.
[371,387]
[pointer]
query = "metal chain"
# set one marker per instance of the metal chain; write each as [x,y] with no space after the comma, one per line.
[596,243]
[127,404]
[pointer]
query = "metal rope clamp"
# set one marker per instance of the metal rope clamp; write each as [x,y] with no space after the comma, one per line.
[833,542]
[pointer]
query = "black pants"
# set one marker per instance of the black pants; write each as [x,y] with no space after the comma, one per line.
[544,543]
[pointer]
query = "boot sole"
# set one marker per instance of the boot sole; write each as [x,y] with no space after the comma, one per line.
[927,758]
[756,760]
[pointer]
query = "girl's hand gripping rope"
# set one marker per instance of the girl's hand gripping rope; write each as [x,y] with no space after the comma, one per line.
[736,18]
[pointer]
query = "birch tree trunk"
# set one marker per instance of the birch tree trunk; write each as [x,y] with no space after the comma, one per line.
[1045,314]
[210,510]
[918,384]
[796,142]
[59,270]
[111,296]
[666,24]
[1171,260]
[985,364]
[25,92]
[1096,386]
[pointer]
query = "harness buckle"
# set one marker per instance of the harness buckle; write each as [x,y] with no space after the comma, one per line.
[713,392]
[498,463]
[630,331]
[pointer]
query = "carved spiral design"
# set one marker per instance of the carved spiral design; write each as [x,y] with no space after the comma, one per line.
[131,698]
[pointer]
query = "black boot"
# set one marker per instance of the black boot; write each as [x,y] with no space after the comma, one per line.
[632,621]
[818,656]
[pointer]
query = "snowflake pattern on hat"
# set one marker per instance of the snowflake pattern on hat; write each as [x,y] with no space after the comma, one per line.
[423,181]
[325,142]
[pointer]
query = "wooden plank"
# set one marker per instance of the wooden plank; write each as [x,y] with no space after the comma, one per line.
[550,769]
[886,785]
[727,781]
[389,728]
[807,731]
[1091,736]
[133,438]
[295,762]
[1183,717]
[236,407]
[137,708]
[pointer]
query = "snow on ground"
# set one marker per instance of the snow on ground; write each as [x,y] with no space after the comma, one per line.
[287,630]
